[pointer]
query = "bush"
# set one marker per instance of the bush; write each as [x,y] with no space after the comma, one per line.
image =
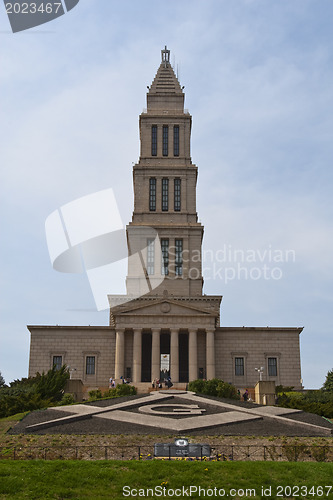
[214,387]
[95,394]
[119,391]
[319,402]
[125,390]
[67,399]
[225,390]
[197,386]
[279,389]
[33,393]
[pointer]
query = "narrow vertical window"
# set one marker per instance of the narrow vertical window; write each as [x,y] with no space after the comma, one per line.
[165,256]
[152,194]
[177,195]
[239,367]
[176,140]
[179,257]
[272,367]
[57,362]
[165,195]
[150,256]
[165,140]
[90,365]
[154,140]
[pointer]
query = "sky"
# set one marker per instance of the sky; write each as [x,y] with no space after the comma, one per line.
[258,83]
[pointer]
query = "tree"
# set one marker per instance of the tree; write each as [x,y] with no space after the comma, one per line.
[328,384]
[33,393]
[2,381]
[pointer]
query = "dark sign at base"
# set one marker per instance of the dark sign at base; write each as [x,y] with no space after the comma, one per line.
[181,448]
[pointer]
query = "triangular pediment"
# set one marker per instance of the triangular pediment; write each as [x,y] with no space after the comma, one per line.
[165,306]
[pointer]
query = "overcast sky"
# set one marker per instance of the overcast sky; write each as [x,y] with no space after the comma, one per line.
[258,80]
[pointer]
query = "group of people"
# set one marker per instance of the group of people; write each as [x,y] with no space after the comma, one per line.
[112,381]
[157,383]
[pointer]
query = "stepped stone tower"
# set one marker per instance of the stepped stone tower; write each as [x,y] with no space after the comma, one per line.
[170,319]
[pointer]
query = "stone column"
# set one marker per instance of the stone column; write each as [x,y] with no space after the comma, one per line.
[192,355]
[155,354]
[120,353]
[137,351]
[210,354]
[174,355]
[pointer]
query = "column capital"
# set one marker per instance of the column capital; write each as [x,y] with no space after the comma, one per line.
[155,330]
[174,330]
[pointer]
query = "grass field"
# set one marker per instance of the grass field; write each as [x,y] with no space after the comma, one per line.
[100,480]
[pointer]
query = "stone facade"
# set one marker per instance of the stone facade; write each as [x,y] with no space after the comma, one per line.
[165,312]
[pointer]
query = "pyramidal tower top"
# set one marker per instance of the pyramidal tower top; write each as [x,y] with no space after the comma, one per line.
[165,195]
[165,91]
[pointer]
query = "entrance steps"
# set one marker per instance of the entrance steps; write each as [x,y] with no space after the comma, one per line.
[145,387]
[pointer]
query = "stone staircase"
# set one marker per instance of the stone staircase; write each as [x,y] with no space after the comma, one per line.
[145,387]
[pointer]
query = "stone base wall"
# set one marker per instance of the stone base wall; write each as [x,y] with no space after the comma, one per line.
[256,346]
[74,344]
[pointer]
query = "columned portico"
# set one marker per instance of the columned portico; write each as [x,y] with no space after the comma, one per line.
[174,355]
[137,355]
[155,354]
[120,353]
[193,355]
[210,354]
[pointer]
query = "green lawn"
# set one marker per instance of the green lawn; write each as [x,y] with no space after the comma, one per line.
[98,480]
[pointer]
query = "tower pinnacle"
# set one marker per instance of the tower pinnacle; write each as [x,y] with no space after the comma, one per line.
[165,56]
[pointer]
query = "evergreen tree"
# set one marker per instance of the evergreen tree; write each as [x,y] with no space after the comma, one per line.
[2,381]
[328,384]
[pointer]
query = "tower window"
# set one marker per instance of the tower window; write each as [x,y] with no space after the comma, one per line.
[176,140]
[57,362]
[154,140]
[177,195]
[165,140]
[272,367]
[179,257]
[165,195]
[165,256]
[239,367]
[90,365]
[152,194]
[150,256]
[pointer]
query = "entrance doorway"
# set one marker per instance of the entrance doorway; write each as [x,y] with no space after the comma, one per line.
[183,357]
[146,357]
[165,356]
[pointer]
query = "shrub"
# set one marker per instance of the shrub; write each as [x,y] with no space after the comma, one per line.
[67,399]
[125,390]
[33,393]
[279,389]
[318,402]
[110,393]
[197,386]
[95,394]
[214,387]
[225,390]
